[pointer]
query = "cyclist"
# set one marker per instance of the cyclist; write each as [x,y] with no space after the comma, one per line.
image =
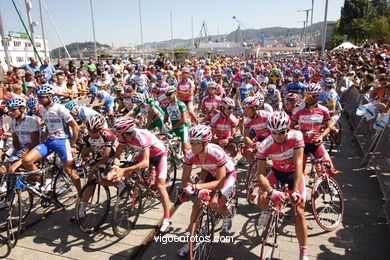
[290,103]
[275,77]
[285,148]
[256,121]
[105,100]
[210,103]
[152,153]
[58,120]
[331,100]
[296,86]
[311,118]
[147,108]
[185,93]
[272,97]
[82,114]
[217,174]
[159,90]
[102,143]
[177,112]
[224,126]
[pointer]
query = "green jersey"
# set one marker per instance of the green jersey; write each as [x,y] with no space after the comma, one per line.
[144,111]
[175,111]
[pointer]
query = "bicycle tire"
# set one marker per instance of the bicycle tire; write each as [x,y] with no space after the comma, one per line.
[64,192]
[27,203]
[203,227]
[14,219]
[97,207]
[171,174]
[127,210]
[327,217]
[250,182]
[269,237]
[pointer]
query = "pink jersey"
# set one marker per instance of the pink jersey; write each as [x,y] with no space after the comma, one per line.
[145,139]
[310,122]
[236,80]
[282,155]
[185,86]
[259,124]
[215,158]
[209,103]
[223,125]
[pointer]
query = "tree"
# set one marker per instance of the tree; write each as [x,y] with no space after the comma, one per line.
[379,27]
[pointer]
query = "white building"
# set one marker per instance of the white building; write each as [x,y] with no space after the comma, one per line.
[20,48]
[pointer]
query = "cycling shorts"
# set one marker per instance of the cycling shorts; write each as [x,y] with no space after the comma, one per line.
[317,151]
[188,104]
[159,162]
[156,123]
[184,134]
[60,146]
[228,185]
[276,176]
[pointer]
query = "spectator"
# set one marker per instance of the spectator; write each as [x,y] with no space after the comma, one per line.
[90,66]
[60,66]
[47,69]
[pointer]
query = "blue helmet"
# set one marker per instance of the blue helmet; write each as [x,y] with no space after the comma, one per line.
[44,90]
[71,105]
[93,89]
[32,102]
[159,75]
[325,72]
[247,75]
[270,89]
[16,102]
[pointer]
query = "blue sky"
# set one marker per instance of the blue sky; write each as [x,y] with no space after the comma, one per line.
[117,21]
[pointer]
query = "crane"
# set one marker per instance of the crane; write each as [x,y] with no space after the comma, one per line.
[203,35]
[240,25]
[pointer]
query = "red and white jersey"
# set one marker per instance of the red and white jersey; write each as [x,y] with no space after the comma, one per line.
[216,157]
[160,91]
[282,155]
[224,125]
[185,86]
[144,139]
[259,124]
[310,121]
[220,90]
[106,139]
[209,103]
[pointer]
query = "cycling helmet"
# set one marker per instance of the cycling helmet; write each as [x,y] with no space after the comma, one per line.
[170,90]
[153,77]
[329,82]
[138,98]
[56,99]
[32,102]
[227,102]
[274,70]
[159,75]
[93,90]
[16,102]
[208,76]
[185,70]
[278,121]
[128,89]
[313,88]
[30,84]
[325,72]
[270,89]
[260,97]
[212,85]
[291,97]
[296,73]
[44,90]
[247,75]
[200,133]
[115,80]
[71,105]
[124,124]
[96,122]
[251,102]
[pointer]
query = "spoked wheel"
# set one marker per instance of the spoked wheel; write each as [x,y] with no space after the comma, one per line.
[27,201]
[14,219]
[327,203]
[269,237]
[64,192]
[202,229]
[126,211]
[252,188]
[171,174]
[95,208]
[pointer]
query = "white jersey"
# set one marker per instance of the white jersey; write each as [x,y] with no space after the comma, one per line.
[24,129]
[56,118]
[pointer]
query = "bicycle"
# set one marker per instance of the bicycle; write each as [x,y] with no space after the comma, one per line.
[335,136]
[203,228]
[327,199]
[129,203]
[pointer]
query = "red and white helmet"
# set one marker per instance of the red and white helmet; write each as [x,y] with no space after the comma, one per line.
[291,97]
[278,121]
[185,70]
[251,102]
[200,133]
[227,102]
[313,89]
[124,124]
[95,122]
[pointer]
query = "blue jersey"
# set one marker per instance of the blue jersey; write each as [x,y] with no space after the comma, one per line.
[297,88]
[102,94]
[244,90]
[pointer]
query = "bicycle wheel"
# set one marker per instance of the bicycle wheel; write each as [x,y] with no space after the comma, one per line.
[251,184]
[327,203]
[14,219]
[27,201]
[171,174]
[126,211]
[65,193]
[97,206]
[202,230]
[269,237]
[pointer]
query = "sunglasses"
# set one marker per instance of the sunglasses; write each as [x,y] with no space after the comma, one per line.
[279,132]
[13,109]
[312,96]
[196,142]
[93,130]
